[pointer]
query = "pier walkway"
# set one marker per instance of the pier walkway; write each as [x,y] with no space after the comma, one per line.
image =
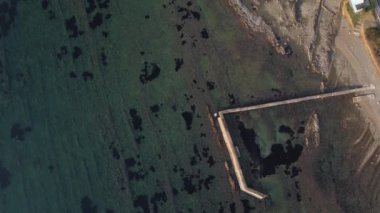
[297,100]
[235,161]
[228,139]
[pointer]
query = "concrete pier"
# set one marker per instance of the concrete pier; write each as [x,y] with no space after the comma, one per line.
[231,147]
[235,162]
[297,100]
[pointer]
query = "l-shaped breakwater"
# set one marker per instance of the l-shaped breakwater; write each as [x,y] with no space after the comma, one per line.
[229,142]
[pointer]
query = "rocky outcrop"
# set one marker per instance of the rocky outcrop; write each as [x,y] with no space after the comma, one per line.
[309,24]
[312,135]
[256,24]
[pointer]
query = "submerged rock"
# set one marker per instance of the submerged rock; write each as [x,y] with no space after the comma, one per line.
[312,136]
[150,71]
[5,177]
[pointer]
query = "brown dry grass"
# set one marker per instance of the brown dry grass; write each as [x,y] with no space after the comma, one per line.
[372,35]
[372,41]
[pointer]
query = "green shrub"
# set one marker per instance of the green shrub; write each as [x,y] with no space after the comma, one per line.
[355,17]
[372,35]
[371,5]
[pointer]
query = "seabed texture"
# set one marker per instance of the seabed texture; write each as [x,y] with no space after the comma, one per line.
[103,108]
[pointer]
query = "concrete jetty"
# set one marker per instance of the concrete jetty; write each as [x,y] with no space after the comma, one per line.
[297,100]
[230,145]
[235,162]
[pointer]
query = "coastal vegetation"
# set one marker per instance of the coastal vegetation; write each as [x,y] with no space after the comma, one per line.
[371,5]
[372,36]
[355,17]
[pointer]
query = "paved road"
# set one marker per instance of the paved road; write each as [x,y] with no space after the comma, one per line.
[360,69]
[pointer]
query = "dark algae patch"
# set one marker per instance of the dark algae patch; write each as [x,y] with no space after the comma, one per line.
[192,183]
[8,13]
[103,58]
[105,34]
[88,206]
[301,130]
[72,27]
[249,139]
[44,4]
[231,99]
[210,85]
[103,4]
[115,151]
[286,129]
[279,155]
[5,177]
[91,6]
[204,33]
[188,13]
[155,108]
[232,207]
[179,27]
[247,206]
[188,117]
[158,199]
[134,169]
[18,132]
[87,76]
[136,120]
[4,80]
[77,52]
[178,64]
[142,203]
[200,156]
[63,51]
[150,71]
[96,21]
[73,75]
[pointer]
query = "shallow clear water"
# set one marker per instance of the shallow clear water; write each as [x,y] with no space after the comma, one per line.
[104,105]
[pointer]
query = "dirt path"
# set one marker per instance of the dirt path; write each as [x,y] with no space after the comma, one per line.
[352,50]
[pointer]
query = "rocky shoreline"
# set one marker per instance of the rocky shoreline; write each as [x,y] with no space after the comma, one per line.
[313,25]
[349,164]
[256,23]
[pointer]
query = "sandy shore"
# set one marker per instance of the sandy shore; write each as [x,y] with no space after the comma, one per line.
[335,51]
[354,64]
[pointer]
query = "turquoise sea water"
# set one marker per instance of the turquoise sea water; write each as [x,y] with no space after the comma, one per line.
[103,104]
